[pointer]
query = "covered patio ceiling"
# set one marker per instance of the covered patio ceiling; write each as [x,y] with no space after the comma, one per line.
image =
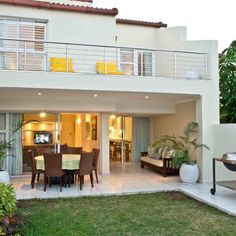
[33,100]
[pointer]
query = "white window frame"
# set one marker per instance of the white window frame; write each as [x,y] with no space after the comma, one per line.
[18,49]
[131,63]
[152,62]
[7,134]
[135,62]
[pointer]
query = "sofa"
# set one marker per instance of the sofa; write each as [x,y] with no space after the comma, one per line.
[162,164]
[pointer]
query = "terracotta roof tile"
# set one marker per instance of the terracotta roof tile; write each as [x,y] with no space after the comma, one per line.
[83,0]
[62,7]
[141,23]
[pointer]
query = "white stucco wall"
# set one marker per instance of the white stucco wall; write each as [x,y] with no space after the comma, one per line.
[68,26]
[171,38]
[224,136]
[150,37]
[172,124]
[136,36]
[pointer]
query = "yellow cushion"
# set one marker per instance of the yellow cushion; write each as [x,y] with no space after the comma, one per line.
[58,64]
[107,68]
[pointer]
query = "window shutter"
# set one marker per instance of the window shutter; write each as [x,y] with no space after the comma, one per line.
[26,55]
[39,34]
[127,61]
[26,32]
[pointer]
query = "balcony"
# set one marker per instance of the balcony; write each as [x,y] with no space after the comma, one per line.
[55,57]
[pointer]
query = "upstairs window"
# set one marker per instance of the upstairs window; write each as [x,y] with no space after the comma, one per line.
[127,61]
[137,62]
[22,55]
[145,63]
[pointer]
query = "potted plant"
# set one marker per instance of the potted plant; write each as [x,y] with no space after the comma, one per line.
[7,208]
[6,145]
[183,148]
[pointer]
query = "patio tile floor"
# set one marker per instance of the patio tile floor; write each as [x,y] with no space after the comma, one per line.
[129,179]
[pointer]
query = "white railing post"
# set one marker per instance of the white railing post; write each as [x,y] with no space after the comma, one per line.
[17,60]
[66,57]
[24,55]
[206,67]
[105,60]
[46,57]
[175,62]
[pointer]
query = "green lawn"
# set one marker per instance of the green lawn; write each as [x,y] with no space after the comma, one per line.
[168,213]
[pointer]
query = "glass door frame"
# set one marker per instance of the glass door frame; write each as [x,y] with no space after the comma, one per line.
[122,138]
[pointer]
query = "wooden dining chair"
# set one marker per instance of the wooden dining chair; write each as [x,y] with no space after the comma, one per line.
[53,168]
[72,173]
[34,171]
[42,150]
[95,152]
[74,150]
[86,167]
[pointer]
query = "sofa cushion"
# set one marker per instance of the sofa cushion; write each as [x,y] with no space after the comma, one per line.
[153,154]
[152,161]
[165,151]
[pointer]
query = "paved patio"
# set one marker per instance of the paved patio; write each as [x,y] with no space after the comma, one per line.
[130,179]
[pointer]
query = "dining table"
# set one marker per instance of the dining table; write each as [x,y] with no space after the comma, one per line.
[69,162]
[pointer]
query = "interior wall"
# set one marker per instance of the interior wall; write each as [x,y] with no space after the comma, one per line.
[68,129]
[89,144]
[47,123]
[128,128]
[78,130]
[173,124]
[29,130]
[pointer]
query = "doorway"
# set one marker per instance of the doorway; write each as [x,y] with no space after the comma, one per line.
[120,139]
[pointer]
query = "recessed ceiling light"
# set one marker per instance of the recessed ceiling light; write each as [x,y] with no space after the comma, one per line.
[42,114]
[39,94]
[95,95]
[78,120]
[112,116]
[146,97]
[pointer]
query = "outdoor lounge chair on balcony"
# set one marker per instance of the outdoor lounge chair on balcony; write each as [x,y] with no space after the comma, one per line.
[108,68]
[60,64]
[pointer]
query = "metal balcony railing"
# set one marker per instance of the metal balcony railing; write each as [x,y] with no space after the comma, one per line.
[26,55]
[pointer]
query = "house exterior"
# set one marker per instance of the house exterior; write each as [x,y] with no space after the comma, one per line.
[70,57]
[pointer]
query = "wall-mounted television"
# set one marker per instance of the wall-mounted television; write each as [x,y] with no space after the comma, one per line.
[42,137]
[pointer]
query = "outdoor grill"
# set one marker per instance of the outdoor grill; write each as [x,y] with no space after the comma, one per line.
[229,161]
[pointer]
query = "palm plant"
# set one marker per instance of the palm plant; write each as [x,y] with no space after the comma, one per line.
[182,146]
[7,208]
[5,145]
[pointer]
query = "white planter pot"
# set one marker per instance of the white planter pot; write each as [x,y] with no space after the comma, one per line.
[4,177]
[189,173]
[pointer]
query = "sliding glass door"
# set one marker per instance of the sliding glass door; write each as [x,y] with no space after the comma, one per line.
[120,135]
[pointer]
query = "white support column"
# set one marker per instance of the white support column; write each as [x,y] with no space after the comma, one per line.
[105,160]
[207,114]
